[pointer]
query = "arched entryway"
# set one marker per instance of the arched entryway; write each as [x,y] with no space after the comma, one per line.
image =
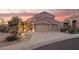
[74,24]
[66,26]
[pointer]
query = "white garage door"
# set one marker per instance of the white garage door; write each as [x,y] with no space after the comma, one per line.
[42,28]
[54,27]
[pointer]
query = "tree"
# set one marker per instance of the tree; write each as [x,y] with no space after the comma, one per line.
[16,21]
[10,23]
[30,25]
[2,21]
[13,24]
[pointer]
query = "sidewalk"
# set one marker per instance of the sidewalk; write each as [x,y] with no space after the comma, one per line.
[40,39]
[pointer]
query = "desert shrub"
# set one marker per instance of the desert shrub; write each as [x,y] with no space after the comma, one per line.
[12,38]
[3,28]
[77,30]
[63,30]
[72,31]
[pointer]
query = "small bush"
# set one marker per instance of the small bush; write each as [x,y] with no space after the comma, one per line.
[63,30]
[72,31]
[78,30]
[11,38]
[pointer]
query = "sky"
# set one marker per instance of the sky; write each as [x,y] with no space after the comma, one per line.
[60,14]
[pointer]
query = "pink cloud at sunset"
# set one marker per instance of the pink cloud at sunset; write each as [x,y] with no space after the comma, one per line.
[24,18]
[61,18]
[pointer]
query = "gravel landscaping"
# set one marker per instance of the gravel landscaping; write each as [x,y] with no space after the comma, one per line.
[4,42]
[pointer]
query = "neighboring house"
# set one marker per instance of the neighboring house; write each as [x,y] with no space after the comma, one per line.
[72,22]
[45,22]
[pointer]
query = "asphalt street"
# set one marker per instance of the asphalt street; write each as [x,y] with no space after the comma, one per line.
[69,44]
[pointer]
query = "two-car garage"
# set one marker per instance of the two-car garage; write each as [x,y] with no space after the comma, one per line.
[45,28]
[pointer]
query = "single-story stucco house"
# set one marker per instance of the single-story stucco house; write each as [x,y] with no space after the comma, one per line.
[45,22]
[71,22]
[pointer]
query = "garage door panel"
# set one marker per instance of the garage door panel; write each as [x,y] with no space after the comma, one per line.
[54,27]
[42,28]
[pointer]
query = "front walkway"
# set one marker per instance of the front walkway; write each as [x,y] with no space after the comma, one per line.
[40,39]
